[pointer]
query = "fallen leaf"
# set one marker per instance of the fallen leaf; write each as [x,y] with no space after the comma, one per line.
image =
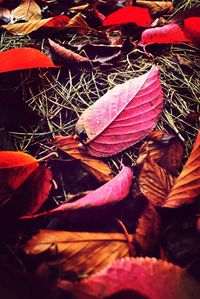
[129,14]
[94,166]
[98,14]
[28,10]
[31,26]
[15,168]
[81,252]
[155,182]
[111,192]
[168,34]
[23,58]
[67,54]
[147,277]
[187,185]
[163,148]
[156,7]
[123,116]
[78,22]
[147,231]
[79,7]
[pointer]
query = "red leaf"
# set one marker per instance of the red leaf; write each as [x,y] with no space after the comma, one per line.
[111,192]
[191,28]
[123,116]
[57,21]
[147,277]
[129,14]
[168,34]
[24,58]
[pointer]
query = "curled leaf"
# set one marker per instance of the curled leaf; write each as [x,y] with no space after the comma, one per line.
[111,192]
[147,277]
[80,252]
[23,58]
[123,116]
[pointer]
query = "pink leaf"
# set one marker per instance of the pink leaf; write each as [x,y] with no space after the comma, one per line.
[129,14]
[123,116]
[111,192]
[140,277]
[168,34]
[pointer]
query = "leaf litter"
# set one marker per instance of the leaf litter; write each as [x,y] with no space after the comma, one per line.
[60,96]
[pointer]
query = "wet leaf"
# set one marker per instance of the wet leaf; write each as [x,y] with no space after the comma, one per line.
[129,14]
[187,185]
[30,26]
[96,167]
[28,10]
[148,277]
[123,116]
[111,192]
[80,252]
[155,182]
[147,232]
[23,58]
[156,7]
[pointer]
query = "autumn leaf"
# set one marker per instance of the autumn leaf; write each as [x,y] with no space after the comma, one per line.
[156,7]
[168,34]
[24,58]
[96,167]
[28,10]
[129,14]
[80,252]
[78,22]
[30,26]
[163,148]
[123,116]
[111,192]
[187,185]
[147,231]
[145,277]
[155,182]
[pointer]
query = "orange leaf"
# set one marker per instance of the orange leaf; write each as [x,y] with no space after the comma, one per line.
[187,185]
[156,6]
[80,252]
[28,10]
[79,23]
[94,166]
[155,182]
[23,58]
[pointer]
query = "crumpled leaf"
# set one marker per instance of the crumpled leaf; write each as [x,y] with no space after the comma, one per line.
[15,168]
[155,182]
[156,7]
[80,252]
[163,148]
[148,277]
[30,26]
[168,34]
[96,167]
[129,14]
[187,185]
[123,116]
[147,231]
[23,58]
[28,10]
[111,192]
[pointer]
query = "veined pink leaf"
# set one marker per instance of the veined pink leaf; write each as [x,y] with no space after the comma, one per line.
[111,192]
[168,34]
[137,277]
[123,116]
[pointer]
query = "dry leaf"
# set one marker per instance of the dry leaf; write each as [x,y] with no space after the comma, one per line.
[79,8]
[28,10]
[80,252]
[143,277]
[79,23]
[155,182]
[94,166]
[187,185]
[123,116]
[147,231]
[156,7]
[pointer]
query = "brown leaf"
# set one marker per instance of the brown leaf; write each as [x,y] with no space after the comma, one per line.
[94,166]
[28,10]
[81,252]
[156,6]
[164,149]
[147,232]
[155,182]
[79,8]
[79,23]
[143,277]
[187,185]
